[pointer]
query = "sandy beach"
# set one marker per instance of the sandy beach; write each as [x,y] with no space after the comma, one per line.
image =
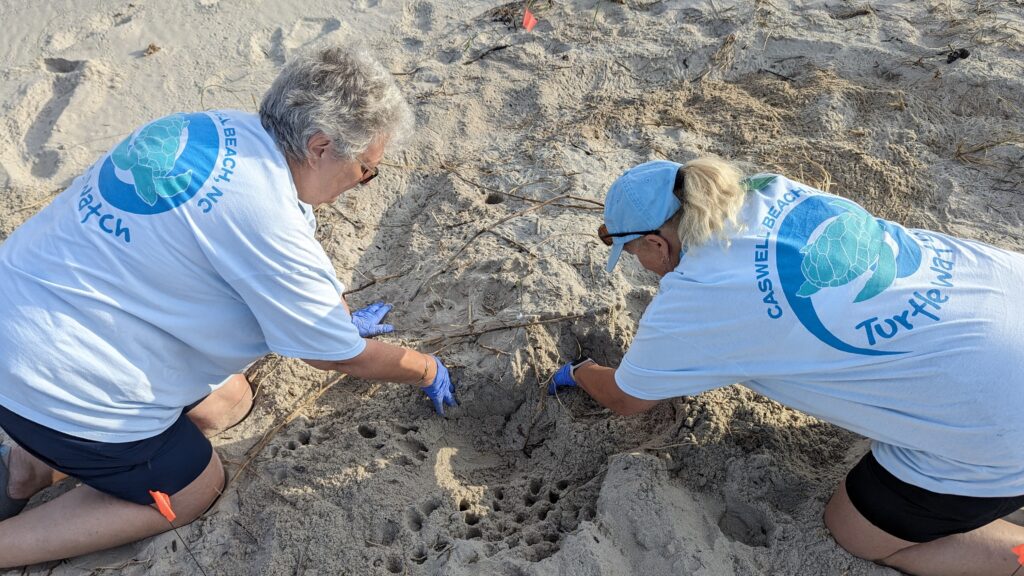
[481,233]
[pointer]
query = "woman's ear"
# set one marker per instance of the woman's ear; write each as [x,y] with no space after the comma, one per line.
[318,145]
[657,243]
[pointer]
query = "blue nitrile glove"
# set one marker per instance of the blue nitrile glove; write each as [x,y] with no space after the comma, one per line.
[367,320]
[562,379]
[441,392]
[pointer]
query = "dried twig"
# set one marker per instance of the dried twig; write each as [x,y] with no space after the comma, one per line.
[969,154]
[451,170]
[498,327]
[521,248]
[247,531]
[410,72]
[864,11]
[486,52]
[777,75]
[253,452]
[374,281]
[477,234]
[49,196]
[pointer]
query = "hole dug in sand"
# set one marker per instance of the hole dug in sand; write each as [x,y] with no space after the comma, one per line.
[746,524]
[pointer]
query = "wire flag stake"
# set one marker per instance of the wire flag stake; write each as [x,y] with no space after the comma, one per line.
[163,505]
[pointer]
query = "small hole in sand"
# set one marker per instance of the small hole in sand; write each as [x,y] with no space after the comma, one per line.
[419,554]
[463,505]
[494,198]
[367,431]
[535,486]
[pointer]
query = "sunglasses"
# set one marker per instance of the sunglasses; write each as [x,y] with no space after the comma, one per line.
[368,173]
[606,237]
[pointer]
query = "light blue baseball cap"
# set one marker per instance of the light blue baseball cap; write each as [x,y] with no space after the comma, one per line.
[640,200]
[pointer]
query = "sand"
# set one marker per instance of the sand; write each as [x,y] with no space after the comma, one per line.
[464,234]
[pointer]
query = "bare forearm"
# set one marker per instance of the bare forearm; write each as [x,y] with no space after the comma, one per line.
[599,382]
[382,361]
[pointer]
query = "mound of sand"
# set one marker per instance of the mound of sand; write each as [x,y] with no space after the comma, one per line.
[482,234]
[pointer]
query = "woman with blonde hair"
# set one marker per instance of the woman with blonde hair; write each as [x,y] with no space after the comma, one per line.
[909,337]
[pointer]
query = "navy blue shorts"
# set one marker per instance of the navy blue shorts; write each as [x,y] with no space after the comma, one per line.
[166,462]
[914,514]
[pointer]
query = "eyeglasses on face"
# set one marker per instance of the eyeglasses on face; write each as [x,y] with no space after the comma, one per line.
[606,237]
[368,173]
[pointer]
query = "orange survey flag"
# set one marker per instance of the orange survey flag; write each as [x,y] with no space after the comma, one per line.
[1019,551]
[163,504]
[529,20]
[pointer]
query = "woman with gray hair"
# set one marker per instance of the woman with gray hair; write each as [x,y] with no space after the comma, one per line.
[129,306]
[909,337]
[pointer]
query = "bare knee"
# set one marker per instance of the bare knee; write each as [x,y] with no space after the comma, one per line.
[225,407]
[841,533]
[856,534]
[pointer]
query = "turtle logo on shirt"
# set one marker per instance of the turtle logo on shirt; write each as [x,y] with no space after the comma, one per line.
[150,157]
[162,165]
[850,245]
[826,243]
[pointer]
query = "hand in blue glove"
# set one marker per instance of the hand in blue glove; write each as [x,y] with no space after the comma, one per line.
[441,392]
[562,379]
[367,320]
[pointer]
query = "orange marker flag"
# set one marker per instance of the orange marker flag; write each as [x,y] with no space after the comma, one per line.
[529,20]
[163,504]
[1019,551]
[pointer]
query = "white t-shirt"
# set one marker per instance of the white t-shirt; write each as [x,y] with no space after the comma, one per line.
[911,338]
[176,260]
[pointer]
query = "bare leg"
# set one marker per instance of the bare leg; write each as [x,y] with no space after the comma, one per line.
[223,408]
[28,474]
[983,551]
[85,520]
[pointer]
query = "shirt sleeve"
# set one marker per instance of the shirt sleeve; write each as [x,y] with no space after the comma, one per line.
[673,352]
[265,249]
[301,314]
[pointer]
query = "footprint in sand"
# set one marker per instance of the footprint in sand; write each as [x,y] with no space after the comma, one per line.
[287,41]
[65,78]
[420,15]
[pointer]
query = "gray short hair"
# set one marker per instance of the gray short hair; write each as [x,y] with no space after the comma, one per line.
[343,92]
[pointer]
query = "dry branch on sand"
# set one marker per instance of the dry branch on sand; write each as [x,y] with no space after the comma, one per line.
[977,153]
[486,228]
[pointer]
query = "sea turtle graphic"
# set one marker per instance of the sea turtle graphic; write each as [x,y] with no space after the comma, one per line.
[757,183]
[150,158]
[850,245]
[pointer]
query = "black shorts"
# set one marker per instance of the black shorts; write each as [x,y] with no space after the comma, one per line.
[166,462]
[914,514]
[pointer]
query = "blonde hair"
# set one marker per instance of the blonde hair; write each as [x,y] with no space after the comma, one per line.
[712,196]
